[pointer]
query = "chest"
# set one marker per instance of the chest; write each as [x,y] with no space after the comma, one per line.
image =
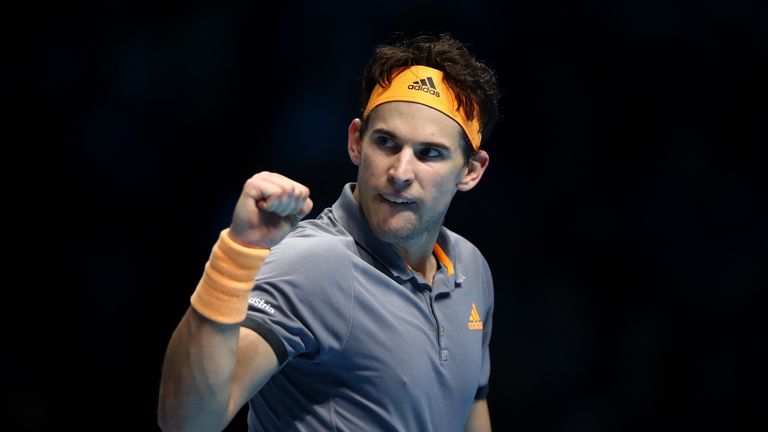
[406,340]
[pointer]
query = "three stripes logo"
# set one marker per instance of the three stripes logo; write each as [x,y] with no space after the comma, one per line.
[474,319]
[426,85]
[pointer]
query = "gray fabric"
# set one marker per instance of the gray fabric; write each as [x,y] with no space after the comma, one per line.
[361,342]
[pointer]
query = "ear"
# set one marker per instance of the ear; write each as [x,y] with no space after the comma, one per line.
[476,167]
[354,141]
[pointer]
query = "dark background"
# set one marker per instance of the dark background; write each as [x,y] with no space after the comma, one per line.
[623,213]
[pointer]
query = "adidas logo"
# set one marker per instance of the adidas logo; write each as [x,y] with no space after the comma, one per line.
[427,85]
[474,319]
[261,304]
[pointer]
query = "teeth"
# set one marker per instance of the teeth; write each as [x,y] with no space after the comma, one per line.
[398,201]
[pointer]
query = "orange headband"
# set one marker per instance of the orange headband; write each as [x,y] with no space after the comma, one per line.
[424,85]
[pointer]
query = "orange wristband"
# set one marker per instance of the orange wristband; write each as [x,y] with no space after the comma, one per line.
[222,293]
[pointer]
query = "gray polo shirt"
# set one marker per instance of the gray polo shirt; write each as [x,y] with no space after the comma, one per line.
[363,342]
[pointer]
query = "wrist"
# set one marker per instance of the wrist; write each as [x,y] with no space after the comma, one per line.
[222,293]
[237,239]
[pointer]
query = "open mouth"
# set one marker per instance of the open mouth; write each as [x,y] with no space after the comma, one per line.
[397,200]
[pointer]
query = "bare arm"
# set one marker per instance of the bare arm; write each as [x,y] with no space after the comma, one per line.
[211,369]
[479,418]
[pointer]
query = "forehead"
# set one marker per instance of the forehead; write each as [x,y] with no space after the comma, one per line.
[416,123]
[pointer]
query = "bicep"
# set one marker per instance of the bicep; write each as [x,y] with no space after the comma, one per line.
[479,419]
[256,363]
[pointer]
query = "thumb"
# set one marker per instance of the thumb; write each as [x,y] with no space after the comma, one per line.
[306,209]
[298,216]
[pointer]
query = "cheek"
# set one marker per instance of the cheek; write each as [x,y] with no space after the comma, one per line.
[368,165]
[451,180]
[442,193]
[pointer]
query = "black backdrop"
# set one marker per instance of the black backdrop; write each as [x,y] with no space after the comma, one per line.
[623,213]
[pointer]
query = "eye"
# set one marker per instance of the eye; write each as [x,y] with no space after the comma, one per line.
[430,153]
[384,141]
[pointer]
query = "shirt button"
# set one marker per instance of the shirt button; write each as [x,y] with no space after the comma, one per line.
[444,355]
[442,331]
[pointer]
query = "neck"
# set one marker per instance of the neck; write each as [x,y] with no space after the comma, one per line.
[418,254]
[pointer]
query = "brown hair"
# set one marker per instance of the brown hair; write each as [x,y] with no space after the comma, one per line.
[472,82]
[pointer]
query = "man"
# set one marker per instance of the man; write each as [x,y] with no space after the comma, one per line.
[373,316]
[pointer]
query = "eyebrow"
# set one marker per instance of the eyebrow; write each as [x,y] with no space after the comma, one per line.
[384,131]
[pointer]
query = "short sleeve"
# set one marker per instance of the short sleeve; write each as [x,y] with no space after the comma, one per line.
[301,303]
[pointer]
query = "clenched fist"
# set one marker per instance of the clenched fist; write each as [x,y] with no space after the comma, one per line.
[269,207]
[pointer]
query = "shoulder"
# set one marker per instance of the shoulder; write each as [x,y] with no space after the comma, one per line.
[311,248]
[466,252]
[314,238]
[472,265]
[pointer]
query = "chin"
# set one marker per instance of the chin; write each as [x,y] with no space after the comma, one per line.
[398,234]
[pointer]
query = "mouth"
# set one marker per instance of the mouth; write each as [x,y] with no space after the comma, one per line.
[397,200]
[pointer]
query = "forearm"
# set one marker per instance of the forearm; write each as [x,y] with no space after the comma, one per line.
[196,384]
[479,418]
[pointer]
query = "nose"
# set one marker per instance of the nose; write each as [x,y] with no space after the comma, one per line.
[401,172]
